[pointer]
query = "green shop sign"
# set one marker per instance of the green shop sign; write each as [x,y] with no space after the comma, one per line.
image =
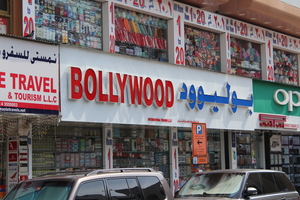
[276,98]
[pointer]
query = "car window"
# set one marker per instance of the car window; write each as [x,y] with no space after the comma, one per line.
[135,189]
[254,181]
[118,189]
[92,190]
[213,185]
[269,185]
[152,188]
[283,183]
[36,190]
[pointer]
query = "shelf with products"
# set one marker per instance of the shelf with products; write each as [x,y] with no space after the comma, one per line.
[245,58]
[140,147]
[202,49]
[244,157]
[140,35]
[276,160]
[69,148]
[290,157]
[285,67]
[74,22]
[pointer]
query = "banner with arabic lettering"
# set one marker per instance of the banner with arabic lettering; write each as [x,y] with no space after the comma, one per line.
[29,79]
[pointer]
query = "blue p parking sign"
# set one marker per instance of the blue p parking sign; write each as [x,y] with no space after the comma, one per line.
[199,129]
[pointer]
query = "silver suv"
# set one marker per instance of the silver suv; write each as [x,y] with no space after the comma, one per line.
[238,184]
[111,184]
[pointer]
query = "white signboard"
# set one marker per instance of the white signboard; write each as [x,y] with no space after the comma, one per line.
[29,81]
[108,88]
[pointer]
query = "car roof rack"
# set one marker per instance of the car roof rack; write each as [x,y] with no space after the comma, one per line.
[118,170]
[64,173]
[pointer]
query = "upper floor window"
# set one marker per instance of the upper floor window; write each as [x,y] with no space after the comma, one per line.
[141,35]
[245,58]
[202,49]
[285,67]
[77,22]
[3,6]
[4,20]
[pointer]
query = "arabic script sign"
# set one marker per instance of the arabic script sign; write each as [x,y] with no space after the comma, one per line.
[196,98]
[29,80]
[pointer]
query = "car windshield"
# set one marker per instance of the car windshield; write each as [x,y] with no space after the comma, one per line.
[212,185]
[40,190]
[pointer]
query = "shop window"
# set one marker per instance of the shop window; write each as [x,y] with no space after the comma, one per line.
[248,150]
[67,148]
[245,58]
[140,35]
[285,67]
[186,166]
[291,158]
[4,20]
[3,6]
[76,22]
[141,147]
[4,25]
[202,49]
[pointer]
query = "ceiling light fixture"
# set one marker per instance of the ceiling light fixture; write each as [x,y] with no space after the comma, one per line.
[253,18]
[279,26]
[242,14]
[267,22]
[287,29]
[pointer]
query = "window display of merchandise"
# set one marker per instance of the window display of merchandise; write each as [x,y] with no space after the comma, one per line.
[141,148]
[76,22]
[67,148]
[186,166]
[291,158]
[202,49]
[140,35]
[285,67]
[247,150]
[245,58]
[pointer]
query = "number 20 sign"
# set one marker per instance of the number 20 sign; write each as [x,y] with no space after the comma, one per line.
[28,17]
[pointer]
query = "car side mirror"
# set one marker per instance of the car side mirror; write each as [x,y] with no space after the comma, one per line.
[251,191]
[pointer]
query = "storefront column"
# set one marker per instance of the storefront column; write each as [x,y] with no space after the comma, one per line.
[174,167]
[107,146]
[232,150]
[108,26]
[225,53]
[176,44]
[222,147]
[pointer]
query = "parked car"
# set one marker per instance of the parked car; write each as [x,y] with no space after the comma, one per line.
[111,184]
[238,184]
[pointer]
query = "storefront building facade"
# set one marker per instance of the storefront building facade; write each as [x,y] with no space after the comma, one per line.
[278,123]
[134,77]
[29,102]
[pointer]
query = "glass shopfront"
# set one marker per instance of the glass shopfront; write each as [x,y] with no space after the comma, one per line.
[185,160]
[141,147]
[67,148]
[248,148]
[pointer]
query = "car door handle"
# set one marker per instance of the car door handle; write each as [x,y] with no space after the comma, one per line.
[283,198]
